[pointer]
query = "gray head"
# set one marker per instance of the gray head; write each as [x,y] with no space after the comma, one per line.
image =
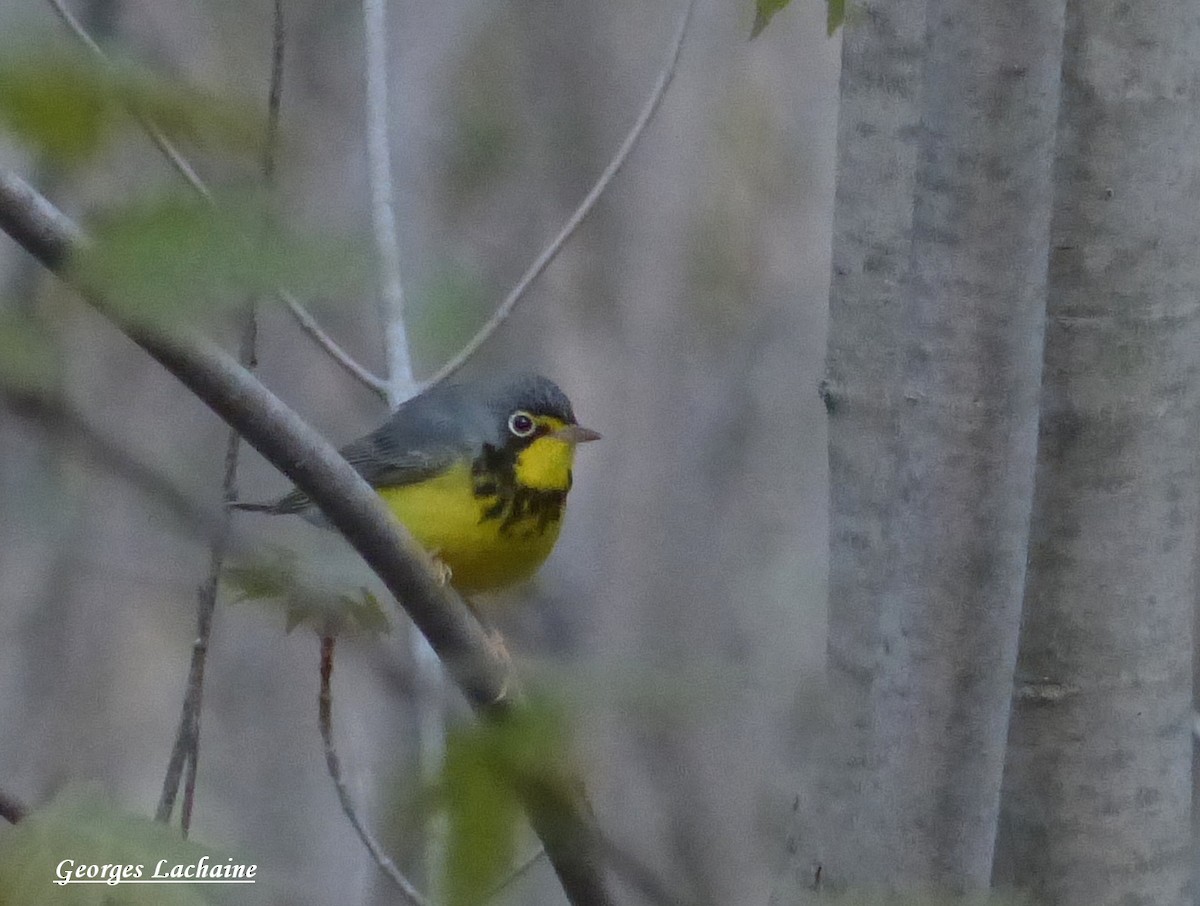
[520,408]
[534,393]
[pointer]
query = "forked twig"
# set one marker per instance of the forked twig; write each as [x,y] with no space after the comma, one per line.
[585,207]
[334,766]
[180,164]
[309,325]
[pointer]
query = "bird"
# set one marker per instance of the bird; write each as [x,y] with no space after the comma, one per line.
[477,472]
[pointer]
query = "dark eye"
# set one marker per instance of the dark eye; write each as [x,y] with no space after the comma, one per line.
[521,423]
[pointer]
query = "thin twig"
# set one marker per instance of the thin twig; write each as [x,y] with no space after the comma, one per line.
[270,160]
[334,766]
[585,207]
[186,752]
[383,218]
[187,740]
[309,325]
[165,146]
[515,875]
[77,28]
[181,165]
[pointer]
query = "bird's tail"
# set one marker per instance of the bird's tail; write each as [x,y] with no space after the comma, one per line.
[254,507]
[295,502]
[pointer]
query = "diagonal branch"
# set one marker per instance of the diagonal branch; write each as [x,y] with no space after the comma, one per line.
[568,828]
[585,207]
[165,146]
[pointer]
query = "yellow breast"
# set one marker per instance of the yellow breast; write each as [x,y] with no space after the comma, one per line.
[491,531]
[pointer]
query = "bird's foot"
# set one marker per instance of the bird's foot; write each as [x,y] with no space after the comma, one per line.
[495,643]
[441,569]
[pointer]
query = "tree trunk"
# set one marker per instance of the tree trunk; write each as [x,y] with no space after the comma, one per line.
[942,221]
[1097,790]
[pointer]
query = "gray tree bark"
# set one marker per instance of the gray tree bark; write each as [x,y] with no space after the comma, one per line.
[937,310]
[1097,790]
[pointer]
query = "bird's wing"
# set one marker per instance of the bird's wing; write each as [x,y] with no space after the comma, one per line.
[384,463]
[423,438]
[379,471]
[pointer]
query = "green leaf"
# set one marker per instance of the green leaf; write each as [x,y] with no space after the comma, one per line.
[81,825]
[277,579]
[764,10]
[178,256]
[342,614]
[270,576]
[835,15]
[70,106]
[489,770]
[53,108]
[483,822]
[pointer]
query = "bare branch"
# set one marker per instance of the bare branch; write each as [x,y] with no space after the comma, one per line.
[274,94]
[585,207]
[77,28]
[185,755]
[400,383]
[567,828]
[305,320]
[334,766]
[165,146]
[309,325]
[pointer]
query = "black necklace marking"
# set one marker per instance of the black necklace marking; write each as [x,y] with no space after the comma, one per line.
[494,475]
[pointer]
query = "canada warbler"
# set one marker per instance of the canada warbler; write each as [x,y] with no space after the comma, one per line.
[478,473]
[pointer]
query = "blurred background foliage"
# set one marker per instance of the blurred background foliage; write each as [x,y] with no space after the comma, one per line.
[680,623]
[81,820]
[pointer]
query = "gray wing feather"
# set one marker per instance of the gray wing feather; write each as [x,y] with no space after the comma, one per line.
[423,438]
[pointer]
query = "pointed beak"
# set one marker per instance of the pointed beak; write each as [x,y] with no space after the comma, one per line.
[576,434]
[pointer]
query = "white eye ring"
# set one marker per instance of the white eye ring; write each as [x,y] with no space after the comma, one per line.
[521,423]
